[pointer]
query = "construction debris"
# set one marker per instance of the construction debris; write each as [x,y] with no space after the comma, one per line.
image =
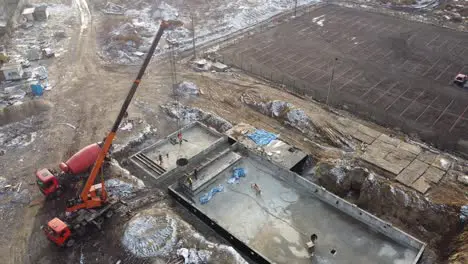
[194,256]
[188,115]
[219,67]
[113,9]
[187,88]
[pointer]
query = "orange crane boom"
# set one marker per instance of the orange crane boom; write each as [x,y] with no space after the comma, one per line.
[89,197]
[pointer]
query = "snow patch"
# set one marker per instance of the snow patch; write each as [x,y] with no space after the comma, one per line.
[188,115]
[193,256]
[120,188]
[150,236]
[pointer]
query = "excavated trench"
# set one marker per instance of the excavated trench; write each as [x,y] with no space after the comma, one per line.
[436,224]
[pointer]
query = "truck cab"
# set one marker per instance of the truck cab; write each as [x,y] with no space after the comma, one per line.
[58,232]
[52,185]
[47,182]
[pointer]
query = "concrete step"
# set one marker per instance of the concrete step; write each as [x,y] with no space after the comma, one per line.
[148,164]
[207,174]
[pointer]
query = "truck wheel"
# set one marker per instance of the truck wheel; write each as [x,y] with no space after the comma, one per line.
[100,220]
[70,243]
[59,192]
[81,230]
[109,214]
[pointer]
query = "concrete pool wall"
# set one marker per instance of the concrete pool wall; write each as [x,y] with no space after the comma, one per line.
[263,254]
[350,209]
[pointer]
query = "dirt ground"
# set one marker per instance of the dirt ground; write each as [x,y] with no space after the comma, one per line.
[88,95]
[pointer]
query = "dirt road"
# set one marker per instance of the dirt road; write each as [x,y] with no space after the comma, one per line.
[87,95]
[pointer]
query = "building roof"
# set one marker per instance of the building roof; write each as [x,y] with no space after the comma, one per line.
[10,66]
[28,11]
[41,8]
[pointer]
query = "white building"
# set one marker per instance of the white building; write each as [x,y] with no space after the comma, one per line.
[11,72]
[28,14]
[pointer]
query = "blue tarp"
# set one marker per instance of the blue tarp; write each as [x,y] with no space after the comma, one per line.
[236,174]
[464,214]
[262,137]
[207,196]
[37,89]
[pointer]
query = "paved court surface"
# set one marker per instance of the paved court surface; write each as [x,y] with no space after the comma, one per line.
[393,71]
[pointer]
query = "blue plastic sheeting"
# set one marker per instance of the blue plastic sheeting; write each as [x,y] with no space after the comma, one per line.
[262,137]
[37,89]
[207,196]
[236,174]
[464,214]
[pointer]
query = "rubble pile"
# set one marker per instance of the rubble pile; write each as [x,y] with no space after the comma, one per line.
[455,11]
[129,41]
[187,88]
[287,112]
[188,115]
[39,37]
[120,188]
[113,9]
[389,200]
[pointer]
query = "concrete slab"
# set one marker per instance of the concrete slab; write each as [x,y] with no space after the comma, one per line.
[387,156]
[410,147]
[400,158]
[442,162]
[411,173]
[421,185]
[278,223]
[363,137]
[427,157]
[389,140]
[433,174]
[284,154]
[368,131]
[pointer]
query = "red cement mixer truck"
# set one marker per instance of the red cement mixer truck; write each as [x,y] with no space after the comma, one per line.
[71,171]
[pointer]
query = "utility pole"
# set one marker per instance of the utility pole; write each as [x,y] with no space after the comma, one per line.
[331,79]
[295,7]
[193,36]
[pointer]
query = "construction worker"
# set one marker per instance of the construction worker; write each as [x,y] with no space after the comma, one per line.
[256,188]
[160,159]
[195,174]
[190,182]
[179,136]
